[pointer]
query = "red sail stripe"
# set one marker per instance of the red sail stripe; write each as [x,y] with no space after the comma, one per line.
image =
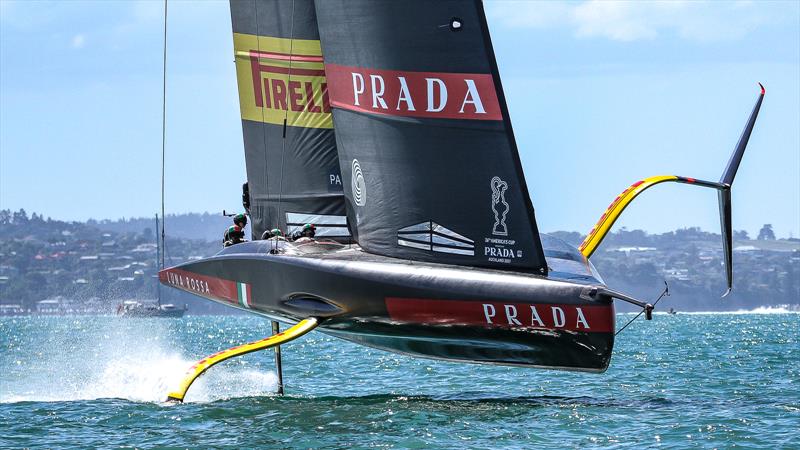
[469,96]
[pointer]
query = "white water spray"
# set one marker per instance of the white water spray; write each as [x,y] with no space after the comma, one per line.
[133,359]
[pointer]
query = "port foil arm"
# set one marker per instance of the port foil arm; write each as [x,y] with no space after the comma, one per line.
[614,210]
[612,213]
[302,327]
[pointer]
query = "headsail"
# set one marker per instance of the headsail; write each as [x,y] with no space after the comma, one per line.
[428,157]
[292,165]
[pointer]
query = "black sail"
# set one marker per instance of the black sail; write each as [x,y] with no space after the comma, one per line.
[290,149]
[429,161]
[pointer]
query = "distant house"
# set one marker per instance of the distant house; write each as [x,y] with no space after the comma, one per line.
[145,248]
[677,274]
[635,249]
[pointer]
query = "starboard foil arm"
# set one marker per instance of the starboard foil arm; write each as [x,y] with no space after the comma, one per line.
[723,187]
[302,327]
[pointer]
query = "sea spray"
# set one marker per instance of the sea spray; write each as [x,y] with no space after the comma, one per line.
[87,358]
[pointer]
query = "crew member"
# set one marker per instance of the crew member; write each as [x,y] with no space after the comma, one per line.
[240,220]
[273,234]
[305,234]
[233,235]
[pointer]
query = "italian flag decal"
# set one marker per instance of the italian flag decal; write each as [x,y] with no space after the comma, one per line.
[245,294]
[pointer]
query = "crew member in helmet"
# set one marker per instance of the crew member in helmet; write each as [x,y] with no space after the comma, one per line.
[305,234]
[240,220]
[233,235]
[274,234]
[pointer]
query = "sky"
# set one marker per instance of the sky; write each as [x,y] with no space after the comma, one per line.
[601,94]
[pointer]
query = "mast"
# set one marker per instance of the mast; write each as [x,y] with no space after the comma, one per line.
[163,143]
[158,260]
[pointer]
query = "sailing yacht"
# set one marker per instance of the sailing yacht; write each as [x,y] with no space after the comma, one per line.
[385,124]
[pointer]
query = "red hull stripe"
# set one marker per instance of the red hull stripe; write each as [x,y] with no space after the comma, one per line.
[467,96]
[203,285]
[494,314]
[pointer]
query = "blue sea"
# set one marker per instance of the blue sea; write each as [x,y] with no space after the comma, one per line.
[700,380]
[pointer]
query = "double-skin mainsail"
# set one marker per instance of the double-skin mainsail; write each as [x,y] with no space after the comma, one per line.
[423,145]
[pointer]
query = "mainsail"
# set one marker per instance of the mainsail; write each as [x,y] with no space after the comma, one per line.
[428,157]
[290,149]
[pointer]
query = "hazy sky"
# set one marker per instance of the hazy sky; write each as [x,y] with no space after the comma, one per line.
[601,94]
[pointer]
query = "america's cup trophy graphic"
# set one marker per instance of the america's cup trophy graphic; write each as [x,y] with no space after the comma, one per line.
[499,188]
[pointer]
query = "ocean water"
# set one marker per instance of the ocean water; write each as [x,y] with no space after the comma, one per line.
[704,380]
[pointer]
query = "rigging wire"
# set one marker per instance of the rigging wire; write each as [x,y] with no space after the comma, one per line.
[163,139]
[263,124]
[665,293]
[285,118]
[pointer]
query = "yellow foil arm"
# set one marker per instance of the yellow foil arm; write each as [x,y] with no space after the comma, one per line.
[303,327]
[603,226]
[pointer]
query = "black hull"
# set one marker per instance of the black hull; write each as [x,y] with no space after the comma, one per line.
[420,309]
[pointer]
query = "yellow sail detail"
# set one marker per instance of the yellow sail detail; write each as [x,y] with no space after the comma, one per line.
[603,226]
[303,327]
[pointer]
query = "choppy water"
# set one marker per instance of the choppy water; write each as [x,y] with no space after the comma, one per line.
[699,380]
